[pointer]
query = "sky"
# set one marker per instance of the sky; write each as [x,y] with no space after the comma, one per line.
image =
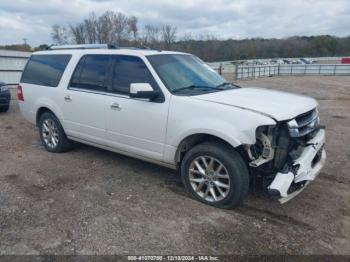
[235,19]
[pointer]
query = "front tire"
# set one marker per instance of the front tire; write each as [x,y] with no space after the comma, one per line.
[52,134]
[215,174]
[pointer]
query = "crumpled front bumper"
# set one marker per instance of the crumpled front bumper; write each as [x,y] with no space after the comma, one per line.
[307,167]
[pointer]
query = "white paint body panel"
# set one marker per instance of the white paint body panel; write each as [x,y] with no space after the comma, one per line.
[306,171]
[282,183]
[153,131]
[84,115]
[190,115]
[277,104]
[138,126]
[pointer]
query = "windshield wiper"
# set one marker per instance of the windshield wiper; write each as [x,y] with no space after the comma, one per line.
[191,87]
[227,84]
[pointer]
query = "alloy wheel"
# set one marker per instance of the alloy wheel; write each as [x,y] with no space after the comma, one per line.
[209,178]
[50,133]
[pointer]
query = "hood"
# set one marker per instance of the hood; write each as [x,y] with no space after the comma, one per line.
[275,104]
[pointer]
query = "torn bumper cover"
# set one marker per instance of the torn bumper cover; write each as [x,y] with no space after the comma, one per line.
[306,168]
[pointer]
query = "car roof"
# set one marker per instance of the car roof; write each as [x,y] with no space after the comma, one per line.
[124,51]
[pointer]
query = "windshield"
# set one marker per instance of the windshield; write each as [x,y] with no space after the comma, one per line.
[187,74]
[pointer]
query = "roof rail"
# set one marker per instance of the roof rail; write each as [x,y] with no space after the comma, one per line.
[85,46]
[135,47]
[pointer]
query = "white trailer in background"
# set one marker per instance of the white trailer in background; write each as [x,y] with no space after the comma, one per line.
[11,65]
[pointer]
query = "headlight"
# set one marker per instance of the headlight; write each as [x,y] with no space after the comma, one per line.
[304,123]
[3,88]
[293,128]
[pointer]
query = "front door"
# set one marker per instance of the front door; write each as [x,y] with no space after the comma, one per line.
[136,126]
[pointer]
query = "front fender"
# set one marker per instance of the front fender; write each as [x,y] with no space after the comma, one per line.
[231,136]
[190,116]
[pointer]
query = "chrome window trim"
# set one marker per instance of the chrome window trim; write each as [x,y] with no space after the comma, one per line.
[144,60]
[104,93]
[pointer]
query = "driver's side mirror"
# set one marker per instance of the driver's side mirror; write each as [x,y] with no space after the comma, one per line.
[142,90]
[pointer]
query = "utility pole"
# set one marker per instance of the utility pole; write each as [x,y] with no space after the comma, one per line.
[25,41]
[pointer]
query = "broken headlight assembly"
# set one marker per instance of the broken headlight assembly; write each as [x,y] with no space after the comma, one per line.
[262,151]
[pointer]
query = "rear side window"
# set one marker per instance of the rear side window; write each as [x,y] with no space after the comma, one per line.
[90,73]
[127,70]
[45,70]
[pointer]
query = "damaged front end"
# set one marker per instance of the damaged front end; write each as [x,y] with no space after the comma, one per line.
[288,155]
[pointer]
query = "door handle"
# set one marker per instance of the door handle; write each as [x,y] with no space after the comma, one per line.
[116,106]
[68,98]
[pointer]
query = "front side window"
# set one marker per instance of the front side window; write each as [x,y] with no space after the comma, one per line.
[91,72]
[187,74]
[128,70]
[45,70]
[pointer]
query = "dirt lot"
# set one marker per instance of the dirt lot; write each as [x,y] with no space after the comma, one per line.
[90,201]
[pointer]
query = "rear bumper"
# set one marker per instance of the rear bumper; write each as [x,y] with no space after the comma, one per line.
[307,167]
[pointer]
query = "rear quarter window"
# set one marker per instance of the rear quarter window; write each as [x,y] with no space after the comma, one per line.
[45,70]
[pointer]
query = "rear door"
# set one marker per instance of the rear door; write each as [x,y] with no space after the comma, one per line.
[83,100]
[136,126]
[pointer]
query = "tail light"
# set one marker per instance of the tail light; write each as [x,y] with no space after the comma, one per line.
[20,93]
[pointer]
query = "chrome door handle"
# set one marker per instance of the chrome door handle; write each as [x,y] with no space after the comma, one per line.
[68,98]
[115,106]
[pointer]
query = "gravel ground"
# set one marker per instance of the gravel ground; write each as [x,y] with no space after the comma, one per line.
[91,201]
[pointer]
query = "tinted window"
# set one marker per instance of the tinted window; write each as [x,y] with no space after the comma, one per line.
[45,70]
[76,75]
[90,72]
[127,70]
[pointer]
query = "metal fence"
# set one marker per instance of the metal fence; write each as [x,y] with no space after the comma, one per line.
[255,71]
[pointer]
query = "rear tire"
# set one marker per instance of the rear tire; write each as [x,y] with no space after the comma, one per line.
[52,134]
[215,174]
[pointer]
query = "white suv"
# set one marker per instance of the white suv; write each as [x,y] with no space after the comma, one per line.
[172,109]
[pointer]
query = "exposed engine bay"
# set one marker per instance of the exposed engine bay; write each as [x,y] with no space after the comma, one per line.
[286,156]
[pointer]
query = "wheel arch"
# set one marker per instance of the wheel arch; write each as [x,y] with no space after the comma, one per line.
[47,104]
[41,110]
[194,139]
